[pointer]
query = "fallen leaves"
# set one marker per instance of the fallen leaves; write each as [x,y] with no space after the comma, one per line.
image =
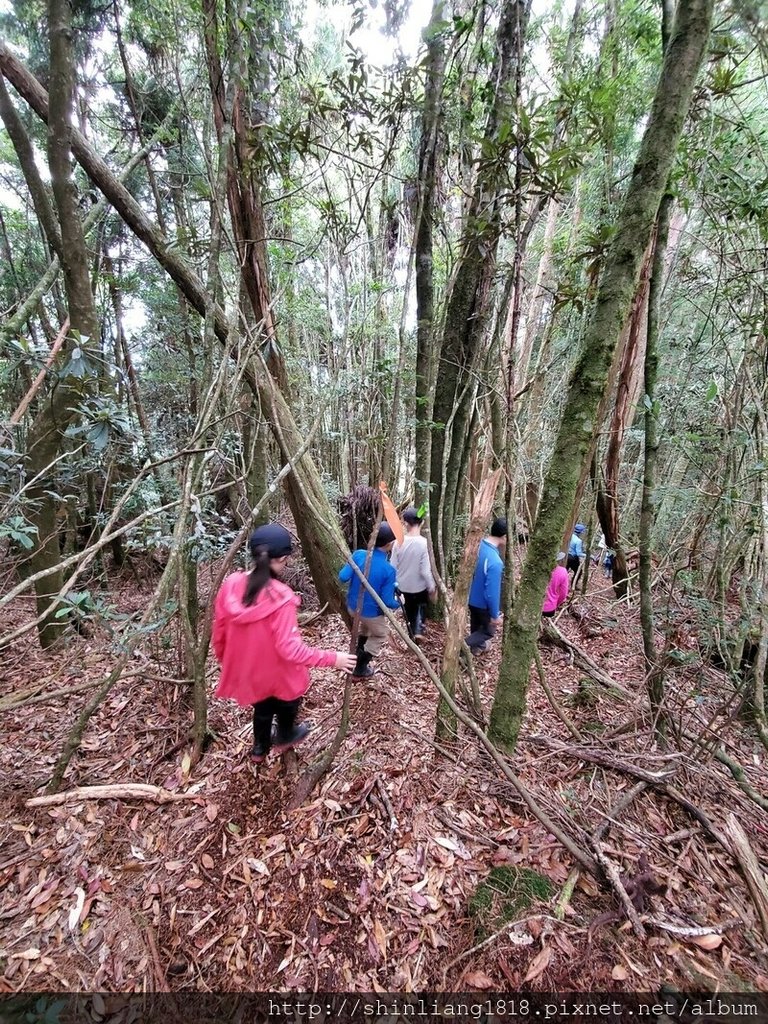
[329,895]
[539,964]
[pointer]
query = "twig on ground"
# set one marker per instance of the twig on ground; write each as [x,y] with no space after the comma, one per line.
[387,803]
[692,931]
[584,661]
[612,874]
[551,698]
[124,791]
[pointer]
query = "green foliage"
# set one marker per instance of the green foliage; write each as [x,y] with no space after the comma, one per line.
[19,532]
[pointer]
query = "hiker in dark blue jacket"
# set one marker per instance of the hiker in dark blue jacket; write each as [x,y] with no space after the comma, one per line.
[374,627]
[485,592]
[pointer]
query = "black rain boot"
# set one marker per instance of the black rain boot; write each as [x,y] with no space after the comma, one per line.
[362,669]
[288,733]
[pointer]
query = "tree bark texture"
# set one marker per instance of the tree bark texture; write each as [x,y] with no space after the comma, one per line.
[612,304]
[46,435]
[462,346]
[429,157]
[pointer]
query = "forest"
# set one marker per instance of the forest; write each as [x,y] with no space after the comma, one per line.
[331,266]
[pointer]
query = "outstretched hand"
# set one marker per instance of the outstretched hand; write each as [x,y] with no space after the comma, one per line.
[345,661]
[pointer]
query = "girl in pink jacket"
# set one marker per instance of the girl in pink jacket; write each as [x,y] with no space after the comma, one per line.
[264,661]
[557,591]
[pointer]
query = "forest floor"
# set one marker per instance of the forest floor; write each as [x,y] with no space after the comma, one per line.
[409,867]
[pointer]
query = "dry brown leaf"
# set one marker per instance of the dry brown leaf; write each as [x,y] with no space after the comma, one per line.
[619,973]
[381,936]
[539,964]
[328,883]
[207,861]
[707,941]
[192,883]
[478,979]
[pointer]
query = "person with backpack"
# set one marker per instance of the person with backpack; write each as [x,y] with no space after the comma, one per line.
[374,627]
[576,549]
[415,581]
[264,661]
[485,592]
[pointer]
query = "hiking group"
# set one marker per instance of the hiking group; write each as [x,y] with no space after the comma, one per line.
[264,661]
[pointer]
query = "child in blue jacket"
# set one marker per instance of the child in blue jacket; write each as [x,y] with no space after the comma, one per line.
[485,592]
[374,627]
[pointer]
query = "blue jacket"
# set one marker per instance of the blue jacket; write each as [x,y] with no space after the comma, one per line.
[381,576]
[485,591]
[576,547]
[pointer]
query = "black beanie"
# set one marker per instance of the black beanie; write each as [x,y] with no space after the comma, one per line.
[385,535]
[499,528]
[411,516]
[274,537]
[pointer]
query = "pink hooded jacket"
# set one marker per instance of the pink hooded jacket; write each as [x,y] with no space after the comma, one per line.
[557,591]
[259,646]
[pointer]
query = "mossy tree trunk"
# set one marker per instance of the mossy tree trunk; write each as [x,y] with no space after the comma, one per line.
[60,408]
[616,289]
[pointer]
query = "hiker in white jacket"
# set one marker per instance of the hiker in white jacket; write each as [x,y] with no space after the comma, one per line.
[414,573]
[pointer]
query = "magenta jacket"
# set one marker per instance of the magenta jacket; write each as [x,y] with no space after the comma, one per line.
[259,646]
[557,591]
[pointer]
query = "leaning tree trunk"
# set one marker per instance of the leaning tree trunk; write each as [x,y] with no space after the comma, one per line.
[315,520]
[60,409]
[617,286]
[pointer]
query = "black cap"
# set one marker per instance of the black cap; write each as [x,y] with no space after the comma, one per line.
[411,516]
[499,527]
[274,537]
[385,535]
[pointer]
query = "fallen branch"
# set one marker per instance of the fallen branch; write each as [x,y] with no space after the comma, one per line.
[604,758]
[693,931]
[584,662]
[734,841]
[750,868]
[387,803]
[27,399]
[552,700]
[612,874]
[124,791]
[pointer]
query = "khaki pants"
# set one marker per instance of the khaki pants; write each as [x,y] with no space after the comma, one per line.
[375,630]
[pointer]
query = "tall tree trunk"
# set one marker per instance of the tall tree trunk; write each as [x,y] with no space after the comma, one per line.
[654,669]
[59,409]
[615,292]
[429,176]
[462,347]
[631,354]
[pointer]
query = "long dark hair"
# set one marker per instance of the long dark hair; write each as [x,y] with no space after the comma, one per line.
[260,574]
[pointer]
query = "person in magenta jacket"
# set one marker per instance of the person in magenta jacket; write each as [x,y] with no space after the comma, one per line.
[557,590]
[264,661]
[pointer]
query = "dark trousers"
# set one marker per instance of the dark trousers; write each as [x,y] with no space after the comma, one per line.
[481,628]
[265,711]
[572,564]
[415,611]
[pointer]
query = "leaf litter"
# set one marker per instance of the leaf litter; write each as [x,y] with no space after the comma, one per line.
[367,886]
